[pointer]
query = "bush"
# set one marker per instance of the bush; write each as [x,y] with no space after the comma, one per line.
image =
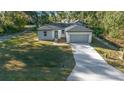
[97,31]
[11,29]
[1,30]
[34,29]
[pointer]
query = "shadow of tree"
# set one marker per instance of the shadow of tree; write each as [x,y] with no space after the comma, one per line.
[35,61]
[98,44]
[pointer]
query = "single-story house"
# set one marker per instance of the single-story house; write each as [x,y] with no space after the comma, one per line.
[73,33]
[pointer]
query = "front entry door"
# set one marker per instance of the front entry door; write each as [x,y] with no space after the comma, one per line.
[56,34]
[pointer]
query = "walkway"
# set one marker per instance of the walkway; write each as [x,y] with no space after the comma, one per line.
[91,66]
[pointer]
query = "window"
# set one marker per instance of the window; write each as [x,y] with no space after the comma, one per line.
[63,31]
[56,34]
[45,33]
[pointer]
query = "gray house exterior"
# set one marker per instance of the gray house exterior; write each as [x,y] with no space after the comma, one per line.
[78,34]
[72,32]
[47,32]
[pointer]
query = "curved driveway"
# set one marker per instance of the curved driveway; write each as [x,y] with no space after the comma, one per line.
[91,66]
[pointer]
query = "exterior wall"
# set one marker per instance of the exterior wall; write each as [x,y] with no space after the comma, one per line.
[50,35]
[53,35]
[90,37]
[68,35]
[59,34]
[63,35]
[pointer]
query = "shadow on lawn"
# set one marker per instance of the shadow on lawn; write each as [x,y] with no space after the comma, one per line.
[35,62]
[98,44]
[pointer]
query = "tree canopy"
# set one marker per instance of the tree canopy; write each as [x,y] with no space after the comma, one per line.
[109,23]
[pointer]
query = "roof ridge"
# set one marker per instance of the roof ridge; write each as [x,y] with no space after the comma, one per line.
[77,27]
[70,27]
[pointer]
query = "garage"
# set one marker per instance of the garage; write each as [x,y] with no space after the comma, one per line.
[78,34]
[79,38]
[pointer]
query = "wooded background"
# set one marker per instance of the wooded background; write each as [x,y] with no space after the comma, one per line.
[108,24]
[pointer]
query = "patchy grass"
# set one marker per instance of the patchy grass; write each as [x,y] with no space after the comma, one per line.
[111,56]
[26,58]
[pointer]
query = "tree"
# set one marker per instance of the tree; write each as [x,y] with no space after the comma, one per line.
[34,18]
[12,21]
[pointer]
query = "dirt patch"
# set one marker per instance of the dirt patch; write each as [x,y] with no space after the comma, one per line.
[14,65]
[119,42]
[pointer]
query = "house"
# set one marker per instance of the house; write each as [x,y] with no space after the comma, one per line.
[72,32]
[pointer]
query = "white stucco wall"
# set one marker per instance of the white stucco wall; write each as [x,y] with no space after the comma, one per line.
[90,37]
[50,35]
[63,35]
[68,35]
[59,34]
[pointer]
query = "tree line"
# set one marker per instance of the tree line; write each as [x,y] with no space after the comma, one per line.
[11,22]
[109,23]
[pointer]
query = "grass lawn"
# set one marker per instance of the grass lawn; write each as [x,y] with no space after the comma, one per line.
[110,55]
[25,58]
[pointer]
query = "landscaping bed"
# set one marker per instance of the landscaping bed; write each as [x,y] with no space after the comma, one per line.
[26,58]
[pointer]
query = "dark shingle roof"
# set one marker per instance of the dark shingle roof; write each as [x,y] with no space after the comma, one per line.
[48,28]
[54,26]
[62,25]
[77,28]
[69,27]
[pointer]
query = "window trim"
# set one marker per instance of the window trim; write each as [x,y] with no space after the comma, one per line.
[56,34]
[45,33]
[63,31]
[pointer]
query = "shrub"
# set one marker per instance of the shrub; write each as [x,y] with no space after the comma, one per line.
[11,29]
[1,30]
[97,31]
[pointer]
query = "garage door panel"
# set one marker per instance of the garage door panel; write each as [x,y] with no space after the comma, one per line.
[79,38]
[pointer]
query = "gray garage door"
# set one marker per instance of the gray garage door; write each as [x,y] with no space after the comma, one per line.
[79,38]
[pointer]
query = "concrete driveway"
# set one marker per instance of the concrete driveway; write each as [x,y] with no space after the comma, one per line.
[91,66]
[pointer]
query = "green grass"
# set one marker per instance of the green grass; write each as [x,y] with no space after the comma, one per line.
[110,55]
[25,58]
